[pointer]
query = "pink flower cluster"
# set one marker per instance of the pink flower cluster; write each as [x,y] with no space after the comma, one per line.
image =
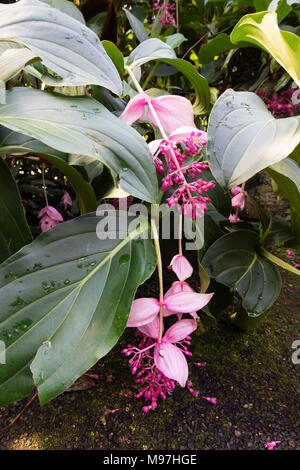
[181,150]
[166,11]
[159,360]
[49,216]
[280,104]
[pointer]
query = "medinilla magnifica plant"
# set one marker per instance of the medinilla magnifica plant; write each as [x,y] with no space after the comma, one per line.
[130,154]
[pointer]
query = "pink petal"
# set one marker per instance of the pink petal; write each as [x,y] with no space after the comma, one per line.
[271,445]
[186,302]
[134,109]
[151,329]
[211,400]
[185,131]
[233,218]
[177,286]
[171,362]
[181,267]
[180,330]
[236,190]
[153,146]
[173,112]
[47,222]
[51,212]
[239,201]
[66,200]
[143,311]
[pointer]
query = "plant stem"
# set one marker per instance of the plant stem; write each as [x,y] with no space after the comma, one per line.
[160,277]
[44,184]
[279,262]
[150,74]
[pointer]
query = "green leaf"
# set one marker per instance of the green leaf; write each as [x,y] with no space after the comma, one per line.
[73,291]
[137,26]
[82,125]
[12,61]
[261,29]
[233,260]
[148,50]
[244,137]
[199,83]
[286,175]
[175,40]
[15,143]
[67,7]
[116,56]
[219,44]
[65,45]
[14,231]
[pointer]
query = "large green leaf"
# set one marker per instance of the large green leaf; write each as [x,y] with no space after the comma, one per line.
[244,137]
[65,45]
[286,175]
[261,29]
[73,291]
[14,231]
[82,125]
[234,261]
[19,144]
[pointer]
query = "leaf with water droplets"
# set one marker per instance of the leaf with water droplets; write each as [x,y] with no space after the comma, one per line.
[70,311]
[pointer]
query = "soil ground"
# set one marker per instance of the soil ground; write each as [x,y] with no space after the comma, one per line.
[251,375]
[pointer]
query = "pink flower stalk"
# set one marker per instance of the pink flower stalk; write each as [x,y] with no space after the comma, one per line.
[211,400]
[189,194]
[181,267]
[271,445]
[49,218]
[173,111]
[158,370]
[166,11]
[239,198]
[66,200]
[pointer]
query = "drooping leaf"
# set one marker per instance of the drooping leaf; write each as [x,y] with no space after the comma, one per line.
[201,104]
[286,175]
[244,137]
[233,260]
[68,293]
[12,61]
[137,26]
[116,56]
[261,29]
[14,230]
[219,44]
[148,50]
[82,125]
[15,143]
[65,45]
